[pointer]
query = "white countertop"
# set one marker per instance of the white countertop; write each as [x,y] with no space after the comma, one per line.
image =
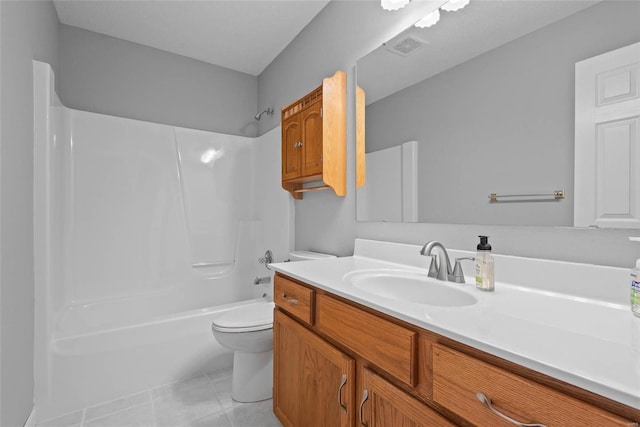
[585,341]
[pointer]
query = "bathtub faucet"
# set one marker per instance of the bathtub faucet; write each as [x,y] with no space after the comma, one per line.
[259,280]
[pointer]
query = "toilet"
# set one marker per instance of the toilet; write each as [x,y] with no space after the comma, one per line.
[248,331]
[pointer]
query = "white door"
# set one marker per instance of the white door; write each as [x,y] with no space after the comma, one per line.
[607,140]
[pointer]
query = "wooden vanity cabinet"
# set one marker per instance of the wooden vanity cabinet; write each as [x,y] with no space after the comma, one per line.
[458,377]
[314,139]
[314,382]
[297,300]
[399,375]
[383,405]
[385,344]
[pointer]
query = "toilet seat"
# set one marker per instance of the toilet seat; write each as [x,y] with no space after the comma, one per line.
[249,318]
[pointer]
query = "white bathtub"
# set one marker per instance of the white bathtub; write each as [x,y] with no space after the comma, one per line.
[142,233]
[79,319]
[93,367]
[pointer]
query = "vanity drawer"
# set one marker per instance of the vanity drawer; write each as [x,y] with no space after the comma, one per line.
[385,344]
[294,298]
[457,378]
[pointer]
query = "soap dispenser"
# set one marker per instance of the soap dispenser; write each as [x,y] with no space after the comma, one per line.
[484,265]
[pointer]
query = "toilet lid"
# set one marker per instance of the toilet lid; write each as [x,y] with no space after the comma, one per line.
[256,316]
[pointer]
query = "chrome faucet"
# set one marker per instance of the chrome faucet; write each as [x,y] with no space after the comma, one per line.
[442,269]
[437,267]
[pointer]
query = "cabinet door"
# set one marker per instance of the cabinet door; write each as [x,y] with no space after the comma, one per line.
[382,405]
[311,119]
[291,147]
[314,383]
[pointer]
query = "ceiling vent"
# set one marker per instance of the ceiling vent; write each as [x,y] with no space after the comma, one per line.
[404,45]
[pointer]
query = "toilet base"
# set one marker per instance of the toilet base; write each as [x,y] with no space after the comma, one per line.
[252,376]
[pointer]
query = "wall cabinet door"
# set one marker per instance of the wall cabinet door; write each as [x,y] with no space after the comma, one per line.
[311,120]
[291,147]
[383,404]
[314,383]
[302,143]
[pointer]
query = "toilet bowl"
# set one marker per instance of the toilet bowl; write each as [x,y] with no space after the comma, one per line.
[248,331]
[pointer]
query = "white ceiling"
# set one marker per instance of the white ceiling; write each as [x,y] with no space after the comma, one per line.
[243,35]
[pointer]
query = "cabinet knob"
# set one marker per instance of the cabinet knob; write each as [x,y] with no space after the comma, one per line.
[487,402]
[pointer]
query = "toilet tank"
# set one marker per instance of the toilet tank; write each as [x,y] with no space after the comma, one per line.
[307,255]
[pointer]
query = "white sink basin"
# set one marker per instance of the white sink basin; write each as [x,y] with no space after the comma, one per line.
[412,287]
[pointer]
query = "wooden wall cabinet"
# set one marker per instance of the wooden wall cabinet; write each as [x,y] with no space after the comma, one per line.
[337,363]
[314,139]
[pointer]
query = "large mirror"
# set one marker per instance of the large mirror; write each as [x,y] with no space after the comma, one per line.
[481,103]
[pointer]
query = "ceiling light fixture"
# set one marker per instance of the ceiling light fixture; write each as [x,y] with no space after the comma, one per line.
[433,17]
[393,4]
[453,5]
[429,20]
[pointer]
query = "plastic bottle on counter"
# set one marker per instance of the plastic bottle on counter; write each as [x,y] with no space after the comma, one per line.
[635,289]
[635,284]
[484,265]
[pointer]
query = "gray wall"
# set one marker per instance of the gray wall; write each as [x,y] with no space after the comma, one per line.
[513,128]
[112,76]
[29,30]
[341,34]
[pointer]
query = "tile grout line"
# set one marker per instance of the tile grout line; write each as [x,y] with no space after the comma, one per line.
[114,412]
[48,421]
[83,417]
[85,410]
[210,380]
[153,408]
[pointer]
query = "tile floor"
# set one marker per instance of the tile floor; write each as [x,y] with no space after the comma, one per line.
[203,401]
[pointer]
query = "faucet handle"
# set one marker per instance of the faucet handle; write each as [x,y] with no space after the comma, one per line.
[433,266]
[458,274]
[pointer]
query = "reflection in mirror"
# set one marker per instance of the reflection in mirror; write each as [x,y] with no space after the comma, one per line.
[391,193]
[488,95]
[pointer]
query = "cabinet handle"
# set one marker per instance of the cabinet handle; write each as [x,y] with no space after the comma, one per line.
[365,396]
[297,144]
[342,383]
[291,300]
[487,402]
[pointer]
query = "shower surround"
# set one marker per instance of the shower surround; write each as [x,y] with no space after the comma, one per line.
[142,232]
